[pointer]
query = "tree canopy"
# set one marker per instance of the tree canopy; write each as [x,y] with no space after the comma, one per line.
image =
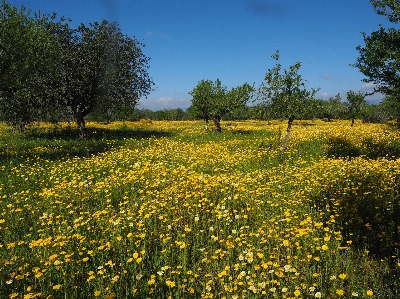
[64,70]
[379,58]
[355,103]
[212,100]
[388,8]
[283,94]
[28,63]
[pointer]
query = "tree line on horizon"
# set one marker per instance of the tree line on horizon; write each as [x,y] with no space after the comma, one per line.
[330,110]
[51,71]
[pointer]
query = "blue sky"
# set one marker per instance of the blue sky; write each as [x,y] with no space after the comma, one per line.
[192,40]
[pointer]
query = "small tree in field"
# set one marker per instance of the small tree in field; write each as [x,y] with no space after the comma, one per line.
[283,94]
[211,100]
[355,103]
[103,70]
[335,107]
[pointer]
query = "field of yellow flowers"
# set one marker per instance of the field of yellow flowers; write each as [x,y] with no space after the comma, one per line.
[174,210]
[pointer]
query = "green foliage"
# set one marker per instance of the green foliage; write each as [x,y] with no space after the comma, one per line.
[236,101]
[355,103]
[375,114]
[283,94]
[28,64]
[388,8]
[379,59]
[212,100]
[104,70]
[59,70]
[208,99]
[335,107]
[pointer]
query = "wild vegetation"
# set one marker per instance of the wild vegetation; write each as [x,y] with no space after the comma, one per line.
[157,209]
[50,70]
[175,210]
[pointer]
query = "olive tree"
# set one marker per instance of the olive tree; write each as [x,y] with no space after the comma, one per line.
[49,68]
[283,94]
[103,70]
[335,107]
[379,58]
[212,100]
[28,64]
[355,103]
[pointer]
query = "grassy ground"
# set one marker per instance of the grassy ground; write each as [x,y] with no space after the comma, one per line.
[173,209]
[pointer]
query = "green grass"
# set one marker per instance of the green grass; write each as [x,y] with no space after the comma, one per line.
[174,209]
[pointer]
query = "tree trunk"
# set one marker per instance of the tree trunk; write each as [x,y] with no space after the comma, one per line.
[352,122]
[80,120]
[217,122]
[285,141]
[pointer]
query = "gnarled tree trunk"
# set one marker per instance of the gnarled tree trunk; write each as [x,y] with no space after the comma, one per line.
[289,127]
[80,120]
[217,123]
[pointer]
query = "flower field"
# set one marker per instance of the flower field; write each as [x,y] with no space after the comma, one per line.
[174,210]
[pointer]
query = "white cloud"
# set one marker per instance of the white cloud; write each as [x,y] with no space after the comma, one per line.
[325,95]
[365,88]
[162,34]
[164,103]
[158,34]
[368,87]
[376,98]
[326,76]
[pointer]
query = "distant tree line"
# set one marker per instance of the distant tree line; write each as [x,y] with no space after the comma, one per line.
[329,110]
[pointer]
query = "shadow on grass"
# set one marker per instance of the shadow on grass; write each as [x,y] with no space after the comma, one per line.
[69,133]
[340,147]
[65,143]
[376,149]
[366,207]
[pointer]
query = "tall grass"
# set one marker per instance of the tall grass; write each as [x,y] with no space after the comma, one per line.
[175,210]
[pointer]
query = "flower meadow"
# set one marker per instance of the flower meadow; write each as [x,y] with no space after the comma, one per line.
[154,209]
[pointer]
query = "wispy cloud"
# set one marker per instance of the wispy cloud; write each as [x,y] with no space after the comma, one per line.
[158,34]
[376,98]
[368,87]
[266,8]
[323,95]
[326,76]
[162,34]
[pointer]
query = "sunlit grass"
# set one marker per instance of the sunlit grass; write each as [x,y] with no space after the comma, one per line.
[155,209]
